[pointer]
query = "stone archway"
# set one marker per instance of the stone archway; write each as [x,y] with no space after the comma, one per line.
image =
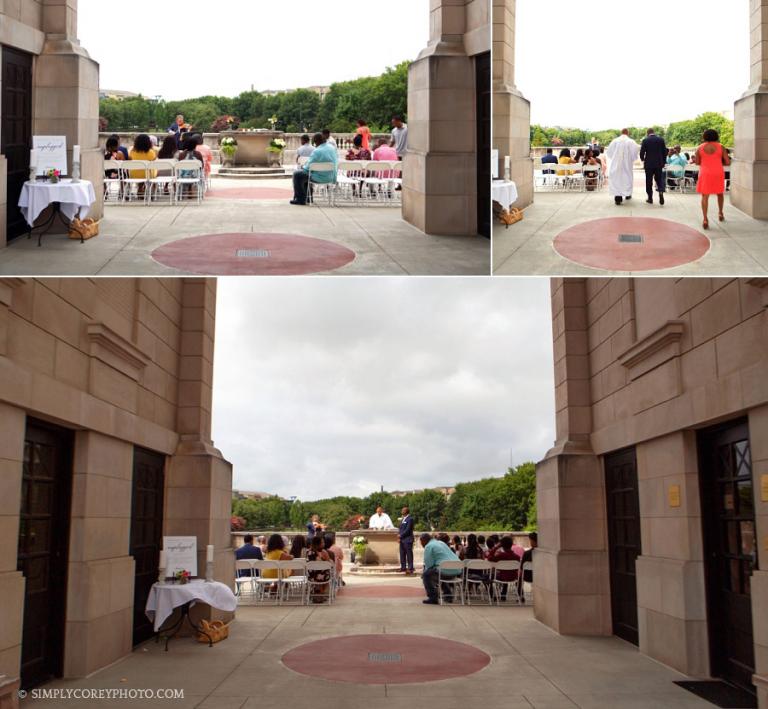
[749,184]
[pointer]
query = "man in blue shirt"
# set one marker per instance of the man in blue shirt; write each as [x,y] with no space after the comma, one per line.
[324,153]
[435,552]
[248,551]
[549,159]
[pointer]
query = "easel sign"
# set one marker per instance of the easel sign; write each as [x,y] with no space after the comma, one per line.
[180,555]
[51,153]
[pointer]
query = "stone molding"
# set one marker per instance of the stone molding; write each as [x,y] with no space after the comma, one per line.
[653,350]
[109,347]
[7,286]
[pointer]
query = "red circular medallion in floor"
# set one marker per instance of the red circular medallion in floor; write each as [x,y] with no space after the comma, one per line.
[631,244]
[256,193]
[375,591]
[386,659]
[253,255]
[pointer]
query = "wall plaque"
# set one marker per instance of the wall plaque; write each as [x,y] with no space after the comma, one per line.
[674,496]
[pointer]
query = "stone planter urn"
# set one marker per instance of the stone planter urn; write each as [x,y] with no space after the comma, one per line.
[228,159]
[274,159]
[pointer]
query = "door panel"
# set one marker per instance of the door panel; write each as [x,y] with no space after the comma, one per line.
[728,517]
[43,546]
[483,88]
[146,533]
[16,130]
[623,509]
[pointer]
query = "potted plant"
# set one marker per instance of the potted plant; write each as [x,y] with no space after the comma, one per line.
[360,545]
[275,152]
[182,577]
[53,176]
[228,151]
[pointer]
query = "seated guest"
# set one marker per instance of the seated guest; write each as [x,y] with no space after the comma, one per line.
[445,539]
[306,148]
[154,141]
[676,163]
[564,159]
[384,151]
[493,540]
[472,550]
[190,152]
[298,547]
[121,148]
[358,151]
[591,177]
[262,542]
[337,552]
[168,150]
[112,152]
[323,153]
[457,546]
[205,152]
[549,159]
[248,551]
[578,157]
[317,552]
[275,552]
[527,576]
[503,551]
[481,545]
[436,552]
[329,138]
[142,150]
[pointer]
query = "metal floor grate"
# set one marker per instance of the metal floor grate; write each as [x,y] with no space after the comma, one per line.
[392,658]
[253,253]
[631,239]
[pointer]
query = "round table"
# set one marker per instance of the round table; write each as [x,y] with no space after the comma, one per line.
[72,199]
[505,193]
[165,598]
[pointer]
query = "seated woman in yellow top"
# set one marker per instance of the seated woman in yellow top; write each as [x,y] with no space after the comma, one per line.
[275,552]
[142,150]
[565,159]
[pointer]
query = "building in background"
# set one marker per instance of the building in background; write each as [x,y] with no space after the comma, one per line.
[105,446]
[50,86]
[447,188]
[653,502]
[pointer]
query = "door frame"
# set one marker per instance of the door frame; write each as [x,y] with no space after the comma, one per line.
[710,529]
[484,168]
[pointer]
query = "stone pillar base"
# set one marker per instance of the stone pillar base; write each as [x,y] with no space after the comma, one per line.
[749,174]
[512,137]
[9,693]
[440,176]
[571,583]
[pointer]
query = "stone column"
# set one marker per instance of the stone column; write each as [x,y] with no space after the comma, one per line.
[572,593]
[199,480]
[440,175]
[749,183]
[66,97]
[758,435]
[511,111]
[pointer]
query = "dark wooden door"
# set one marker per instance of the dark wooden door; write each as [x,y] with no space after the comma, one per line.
[483,87]
[146,533]
[623,503]
[43,546]
[16,130]
[728,517]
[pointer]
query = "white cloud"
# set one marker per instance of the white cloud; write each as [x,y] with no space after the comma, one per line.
[338,386]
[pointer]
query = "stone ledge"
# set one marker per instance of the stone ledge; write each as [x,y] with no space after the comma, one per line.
[654,350]
[110,348]
[7,286]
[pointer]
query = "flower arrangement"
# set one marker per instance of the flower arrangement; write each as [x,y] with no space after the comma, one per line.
[359,544]
[182,577]
[53,176]
[228,146]
[276,146]
[273,122]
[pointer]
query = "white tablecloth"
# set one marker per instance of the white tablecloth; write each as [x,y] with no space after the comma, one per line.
[76,199]
[505,193]
[164,598]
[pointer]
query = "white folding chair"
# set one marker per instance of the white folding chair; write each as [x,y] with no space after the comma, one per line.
[591,177]
[293,586]
[502,589]
[319,567]
[112,184]
[244,577]
[378,180]
[454,581]
[691,178]
[349,180]
[328,187]
[164,180]
[188,175]
[134,173]
[267,590]
[479,583]
[575,178]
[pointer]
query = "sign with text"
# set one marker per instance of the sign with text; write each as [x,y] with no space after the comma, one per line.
[51,153]
[180,555]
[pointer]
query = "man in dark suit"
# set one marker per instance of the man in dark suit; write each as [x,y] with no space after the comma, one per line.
[248,551]
[653,152]
[406,542]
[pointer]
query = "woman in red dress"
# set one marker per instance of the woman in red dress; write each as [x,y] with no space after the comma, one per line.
[712,157]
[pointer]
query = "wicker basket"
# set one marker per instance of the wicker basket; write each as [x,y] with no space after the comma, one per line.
[217,630]
[85,229]
[510,217]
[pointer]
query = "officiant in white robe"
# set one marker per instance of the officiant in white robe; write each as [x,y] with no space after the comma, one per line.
[622,154]
[381,520]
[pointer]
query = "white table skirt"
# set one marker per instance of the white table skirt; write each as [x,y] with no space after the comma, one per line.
[505,193]
[75,198]
[166,597]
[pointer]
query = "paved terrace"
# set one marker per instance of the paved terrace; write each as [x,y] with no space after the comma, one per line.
[737,247]
[355,240]
[530,666]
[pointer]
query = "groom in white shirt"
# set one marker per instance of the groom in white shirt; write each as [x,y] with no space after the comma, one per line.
[380,520]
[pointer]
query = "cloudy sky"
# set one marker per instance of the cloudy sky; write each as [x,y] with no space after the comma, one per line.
[244,43]
[338,386]
[597,64]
